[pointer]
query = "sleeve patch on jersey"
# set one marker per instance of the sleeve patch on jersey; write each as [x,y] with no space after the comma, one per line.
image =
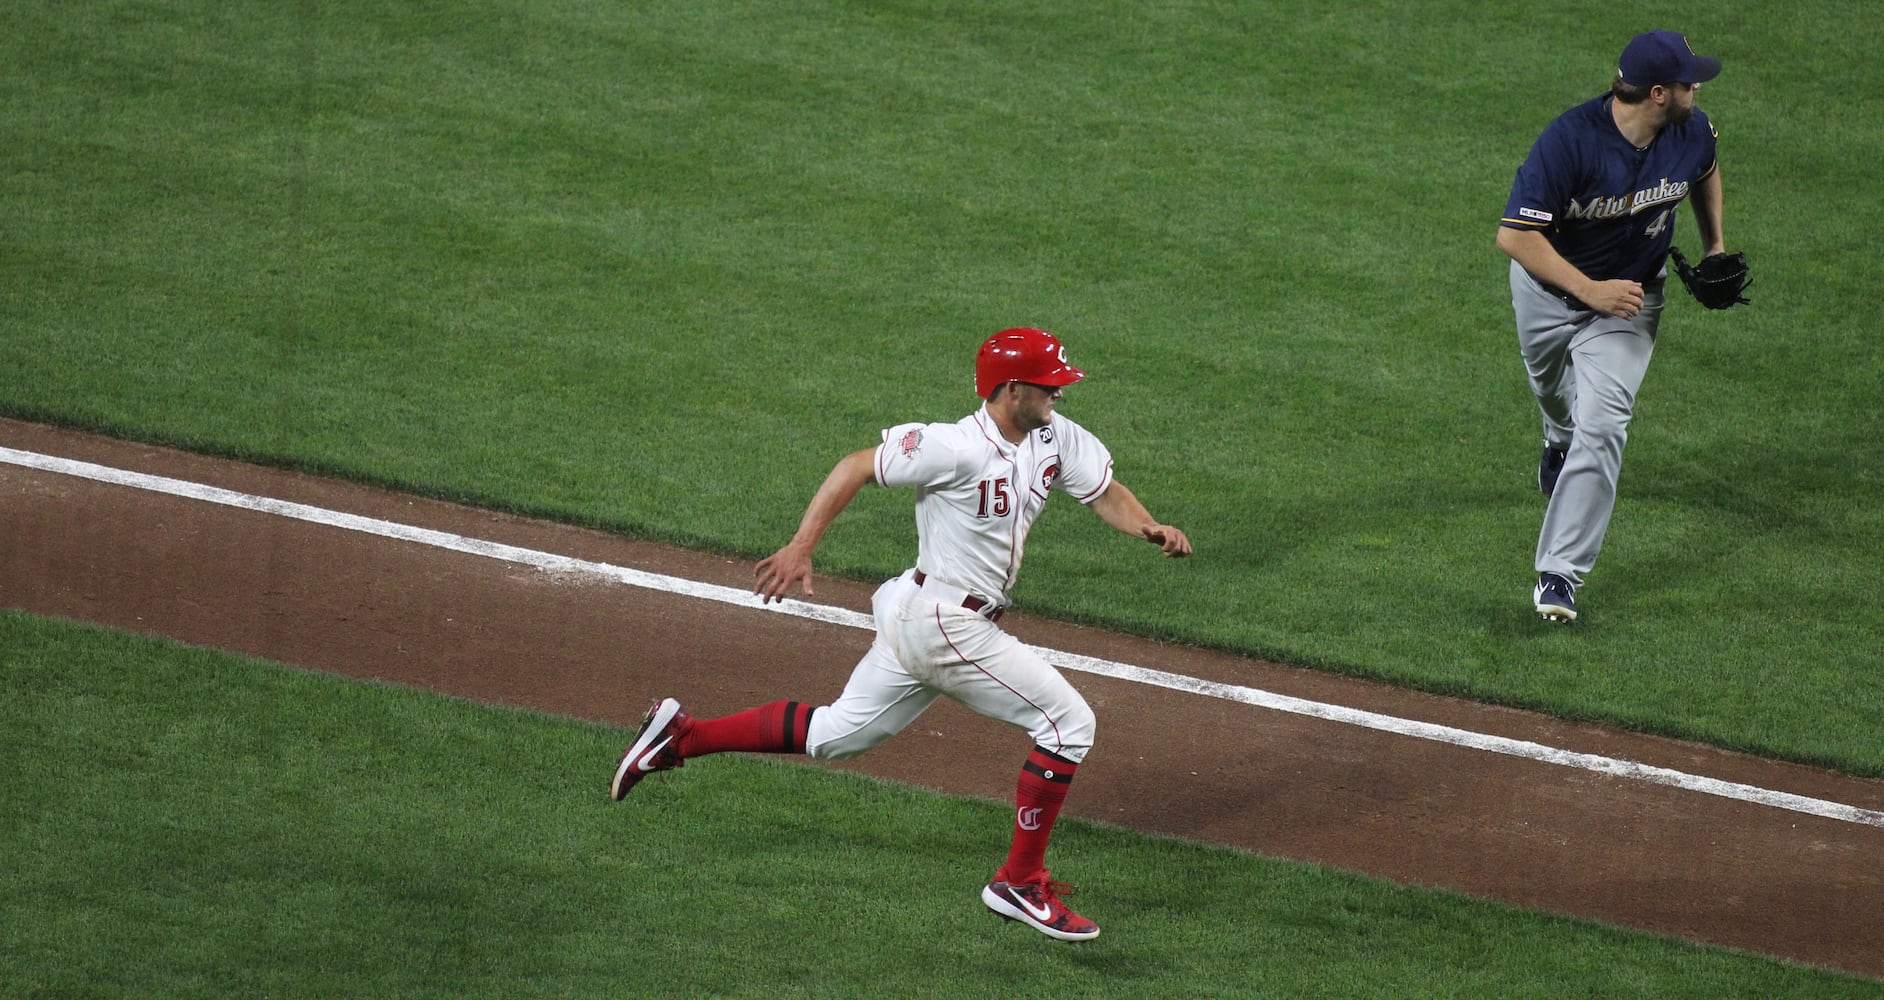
[1532,213]
[911,442]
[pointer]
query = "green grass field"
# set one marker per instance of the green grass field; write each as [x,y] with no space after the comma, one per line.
[654,267]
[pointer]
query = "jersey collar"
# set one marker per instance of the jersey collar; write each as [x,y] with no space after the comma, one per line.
[984,421]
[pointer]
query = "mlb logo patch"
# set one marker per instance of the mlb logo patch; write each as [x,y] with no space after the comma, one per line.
[1532,213]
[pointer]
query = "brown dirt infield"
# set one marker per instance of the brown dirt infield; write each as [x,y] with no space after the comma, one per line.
[1538,835]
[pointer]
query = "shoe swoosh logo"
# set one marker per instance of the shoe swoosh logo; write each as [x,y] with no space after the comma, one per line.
[1041,914]
[647,759]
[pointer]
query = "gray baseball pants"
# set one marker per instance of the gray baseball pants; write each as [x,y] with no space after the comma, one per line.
[1585,369]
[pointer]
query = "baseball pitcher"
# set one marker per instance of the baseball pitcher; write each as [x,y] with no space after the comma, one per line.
[1589,225]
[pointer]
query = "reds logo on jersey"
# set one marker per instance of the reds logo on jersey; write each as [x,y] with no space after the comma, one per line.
[1048,475]
[911,442]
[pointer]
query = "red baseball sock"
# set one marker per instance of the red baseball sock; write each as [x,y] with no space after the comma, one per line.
[778,727]
[1044,780]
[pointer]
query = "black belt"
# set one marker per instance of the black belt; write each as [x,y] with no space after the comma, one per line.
[1565,297]
[971,602]
[1653,284]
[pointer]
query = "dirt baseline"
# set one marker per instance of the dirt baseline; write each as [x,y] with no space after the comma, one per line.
[1538,835]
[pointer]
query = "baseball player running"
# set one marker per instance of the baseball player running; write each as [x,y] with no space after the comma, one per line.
[980,482]
[1588,227]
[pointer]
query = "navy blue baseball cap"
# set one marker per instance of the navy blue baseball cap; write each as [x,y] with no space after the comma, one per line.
[1664,57]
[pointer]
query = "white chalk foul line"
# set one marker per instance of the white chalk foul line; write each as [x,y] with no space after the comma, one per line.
[1124,671]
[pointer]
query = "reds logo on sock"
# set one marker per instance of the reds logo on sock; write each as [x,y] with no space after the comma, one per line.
[1027,819]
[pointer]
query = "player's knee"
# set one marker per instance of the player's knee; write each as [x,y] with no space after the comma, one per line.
[1071,734]
[1604,433]
[839,747]
[1604,411]
[830,736]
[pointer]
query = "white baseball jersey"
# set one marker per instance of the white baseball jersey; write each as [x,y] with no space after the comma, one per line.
[977,494]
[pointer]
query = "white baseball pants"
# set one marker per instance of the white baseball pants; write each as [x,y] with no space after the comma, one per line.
[928,646]
[1585,370]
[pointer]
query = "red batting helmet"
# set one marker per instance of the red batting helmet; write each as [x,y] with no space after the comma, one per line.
[1022,354]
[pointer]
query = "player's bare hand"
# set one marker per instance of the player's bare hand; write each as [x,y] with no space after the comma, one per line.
[1170,539]
[780,571]
[1621,299]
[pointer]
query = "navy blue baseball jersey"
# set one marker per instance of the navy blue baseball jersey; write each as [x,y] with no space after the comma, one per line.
[1607,207]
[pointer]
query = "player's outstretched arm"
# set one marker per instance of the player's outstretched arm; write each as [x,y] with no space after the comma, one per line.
[1119,507]
[791,565]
